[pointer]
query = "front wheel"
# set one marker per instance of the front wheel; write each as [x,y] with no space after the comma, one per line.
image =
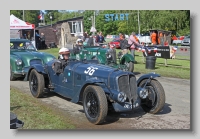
[12,78]
[130,66]
[156,97]
[95,104]
[36,84]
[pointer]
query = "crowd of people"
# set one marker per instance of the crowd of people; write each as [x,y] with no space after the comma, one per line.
[126,45]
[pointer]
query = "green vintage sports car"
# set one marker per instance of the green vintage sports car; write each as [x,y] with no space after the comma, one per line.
[22,54]
[105,56]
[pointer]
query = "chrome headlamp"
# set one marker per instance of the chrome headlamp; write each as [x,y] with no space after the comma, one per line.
[121,97]
[18,62]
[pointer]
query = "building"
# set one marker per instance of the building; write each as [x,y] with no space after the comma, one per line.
[62,32]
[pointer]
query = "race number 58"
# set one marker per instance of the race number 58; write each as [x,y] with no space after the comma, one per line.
[90,70]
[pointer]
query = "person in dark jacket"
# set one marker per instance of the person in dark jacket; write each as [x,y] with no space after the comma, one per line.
[101,38]
[42,39]
[62,61]
[124,44]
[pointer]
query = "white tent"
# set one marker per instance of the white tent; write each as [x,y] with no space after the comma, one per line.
[18,24]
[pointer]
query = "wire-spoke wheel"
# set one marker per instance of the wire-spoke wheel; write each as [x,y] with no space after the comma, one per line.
[156,97]
[36,83]
[95,104]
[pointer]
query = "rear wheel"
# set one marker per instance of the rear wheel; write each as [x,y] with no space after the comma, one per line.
[156,97]
[36,84]
[95,104]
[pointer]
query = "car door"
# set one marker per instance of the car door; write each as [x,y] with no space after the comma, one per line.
[62,82]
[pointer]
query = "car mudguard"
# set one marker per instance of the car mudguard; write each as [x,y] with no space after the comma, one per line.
[79,90]
[101,59]
[38,67]
[127,58]
[147,76]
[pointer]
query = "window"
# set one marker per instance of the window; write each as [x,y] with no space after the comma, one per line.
[75,27]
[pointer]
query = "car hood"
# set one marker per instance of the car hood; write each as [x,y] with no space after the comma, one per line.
[102,71]
[26,56]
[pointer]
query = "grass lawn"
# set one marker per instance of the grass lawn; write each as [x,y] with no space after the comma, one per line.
[36,115]
[177,68]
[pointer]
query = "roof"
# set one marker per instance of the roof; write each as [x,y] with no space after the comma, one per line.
[58,22]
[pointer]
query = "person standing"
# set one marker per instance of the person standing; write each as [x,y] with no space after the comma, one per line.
[37,40]
[161,39]
[101,38]
[42,39]
[123,44]
[153,38]
[133,43]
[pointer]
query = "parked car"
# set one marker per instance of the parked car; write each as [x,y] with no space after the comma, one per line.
[105,56]
[186,41]
[22,54]
[116,42]
[99,88]
[144,38]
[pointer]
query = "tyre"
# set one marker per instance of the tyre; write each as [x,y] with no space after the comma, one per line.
[12,78]
[130,66]
[95,104]
[36,84]
[156,97]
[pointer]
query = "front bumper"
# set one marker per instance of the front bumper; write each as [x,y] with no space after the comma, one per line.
[126,106]
[21,73]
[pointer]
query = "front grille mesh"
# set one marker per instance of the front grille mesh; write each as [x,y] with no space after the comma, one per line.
[128,85]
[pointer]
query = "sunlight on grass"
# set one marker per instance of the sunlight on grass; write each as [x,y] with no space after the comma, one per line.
[34,114]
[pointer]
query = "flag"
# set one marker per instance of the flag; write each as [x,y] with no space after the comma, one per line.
[155,49]
[41,16]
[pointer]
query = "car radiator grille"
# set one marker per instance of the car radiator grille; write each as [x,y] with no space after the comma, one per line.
[128,85]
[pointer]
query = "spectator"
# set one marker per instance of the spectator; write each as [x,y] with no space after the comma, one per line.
[97,38]
[161,39]
[42,39]
[101,38]
[91,41]
[37,40]
[29,35]
[85,35]
[153,38]
[124,44]
[133,43]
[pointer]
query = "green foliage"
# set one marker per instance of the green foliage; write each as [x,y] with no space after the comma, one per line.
[30,16]
[178,20]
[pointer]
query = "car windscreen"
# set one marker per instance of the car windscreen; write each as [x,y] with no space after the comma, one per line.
[21,45]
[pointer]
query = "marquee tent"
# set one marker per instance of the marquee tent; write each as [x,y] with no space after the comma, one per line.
[16,23]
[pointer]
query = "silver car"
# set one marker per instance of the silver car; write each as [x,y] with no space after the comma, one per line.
[186,41]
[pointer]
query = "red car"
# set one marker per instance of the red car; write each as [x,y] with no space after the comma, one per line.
[116,43]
